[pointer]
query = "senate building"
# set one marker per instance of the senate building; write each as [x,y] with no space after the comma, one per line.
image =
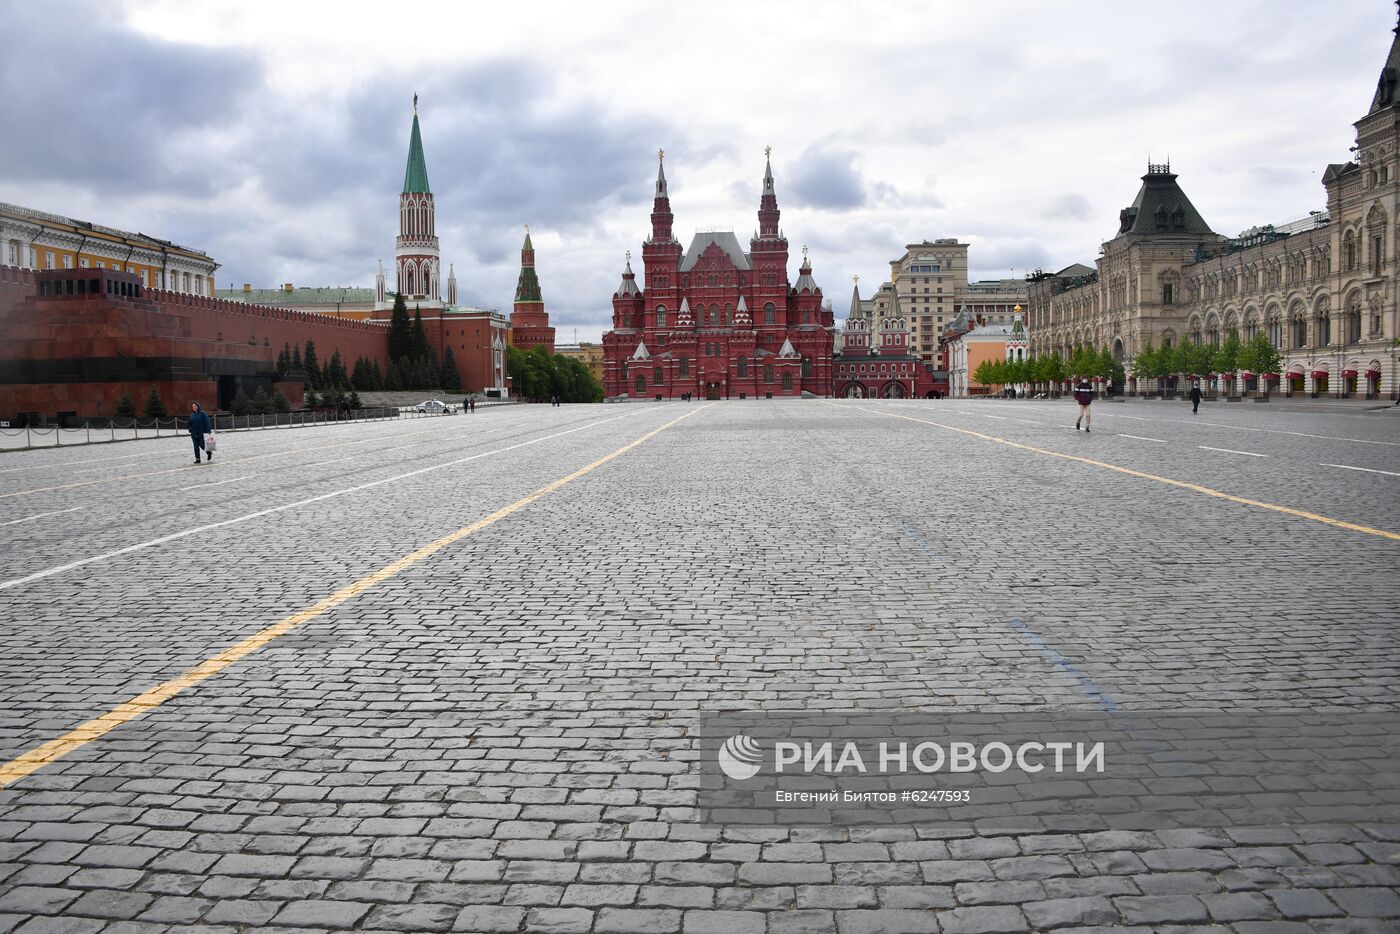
[715,321]
[1323,288]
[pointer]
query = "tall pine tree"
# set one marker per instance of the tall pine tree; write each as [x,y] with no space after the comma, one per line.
[311,365]
[450,378]
[421,349]
[400,332]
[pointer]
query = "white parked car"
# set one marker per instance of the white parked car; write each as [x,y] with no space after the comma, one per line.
[434,407]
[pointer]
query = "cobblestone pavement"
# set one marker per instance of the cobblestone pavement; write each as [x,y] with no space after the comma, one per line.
[498,736]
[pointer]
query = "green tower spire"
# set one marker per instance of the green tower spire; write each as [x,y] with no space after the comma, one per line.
[415,176]
[527,287]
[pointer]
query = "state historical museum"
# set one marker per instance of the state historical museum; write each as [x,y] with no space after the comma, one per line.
[714,321]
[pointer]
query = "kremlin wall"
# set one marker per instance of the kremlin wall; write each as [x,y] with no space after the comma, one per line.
[83,325]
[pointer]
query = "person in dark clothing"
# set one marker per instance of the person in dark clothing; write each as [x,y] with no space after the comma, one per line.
[1084,395]
[199,427]
[1195,397]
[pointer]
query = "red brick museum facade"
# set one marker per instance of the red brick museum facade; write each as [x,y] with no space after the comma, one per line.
[714,321]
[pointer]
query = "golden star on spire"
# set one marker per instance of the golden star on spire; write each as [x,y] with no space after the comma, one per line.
[661,155]
[856,279]
[527,228]
[767,152]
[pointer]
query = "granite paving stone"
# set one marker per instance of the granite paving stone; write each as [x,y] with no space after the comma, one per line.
[503,735]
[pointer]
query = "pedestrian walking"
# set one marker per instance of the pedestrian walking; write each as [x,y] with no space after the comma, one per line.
[199,427]
[1084,395]
[1195,397]
[473,403]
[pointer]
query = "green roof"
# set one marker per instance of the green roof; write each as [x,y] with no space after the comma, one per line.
[415,176]
[299,296]
[527,289]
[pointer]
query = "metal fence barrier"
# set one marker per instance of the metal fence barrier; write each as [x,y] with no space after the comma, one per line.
[106,430]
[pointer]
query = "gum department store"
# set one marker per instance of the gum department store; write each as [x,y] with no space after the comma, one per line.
[1322,289]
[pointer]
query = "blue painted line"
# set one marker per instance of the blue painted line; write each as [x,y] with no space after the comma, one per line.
[1163,754]
[919,539]
[1086,684]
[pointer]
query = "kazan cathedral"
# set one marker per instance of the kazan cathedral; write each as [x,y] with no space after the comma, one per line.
[717,322]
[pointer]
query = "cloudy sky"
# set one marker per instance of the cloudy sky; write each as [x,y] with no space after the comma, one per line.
[273,135]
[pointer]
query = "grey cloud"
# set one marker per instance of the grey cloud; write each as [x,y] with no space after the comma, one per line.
[96,105]
[826,176]
[1068,206]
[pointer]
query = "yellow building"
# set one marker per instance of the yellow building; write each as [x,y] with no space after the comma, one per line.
[590,355]
[35,240]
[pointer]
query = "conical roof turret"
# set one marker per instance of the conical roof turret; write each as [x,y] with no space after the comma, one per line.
[415,176]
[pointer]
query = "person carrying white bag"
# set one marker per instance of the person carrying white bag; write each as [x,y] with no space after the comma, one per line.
[200,425]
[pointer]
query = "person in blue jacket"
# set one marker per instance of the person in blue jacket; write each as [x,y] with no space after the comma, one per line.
[199,427]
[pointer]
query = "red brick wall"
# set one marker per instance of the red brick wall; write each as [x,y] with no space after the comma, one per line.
[203,336]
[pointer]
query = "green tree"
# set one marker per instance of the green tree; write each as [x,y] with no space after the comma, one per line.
[1227,355]
[310,400]
[355,402]
[284,359]
[400,332]
[527,379]
[378,377]
[450,377]
[1193,358]
[335,372]
[420,348]
[1260,355]
[262,403]
[241,405]
[155,408]
[985,373]
[311,365]
[296,358]
[280,403]
[125,407]
[1146,365]
[393,381]
[1083,362]
[360,375]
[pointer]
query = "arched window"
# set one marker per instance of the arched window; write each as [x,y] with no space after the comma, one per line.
[768,373]
[724,318]
[1354,324]
[1324,323]
[661,316]
[641,384]
[1300,332]
[770,313]
[742,365]
[806,366]
[1349,252]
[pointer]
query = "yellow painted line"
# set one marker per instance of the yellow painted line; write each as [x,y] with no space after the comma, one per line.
[81,735]
[1195,487]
